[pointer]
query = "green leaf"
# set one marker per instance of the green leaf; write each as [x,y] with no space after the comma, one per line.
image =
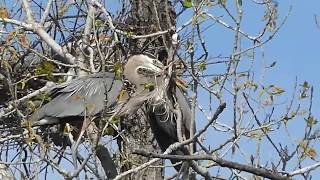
[215,80]
[187,3]
[99,23]
[261,93]
[118,70]
[311,121]
[278,91]
[23,84]
[285,119]
[109,131]
[307,151]
[305,85]
[115,120]
[122,94]
[303,95]
[252,85]
[274,90]
[62,10]
[46,67]
[129,34]
[304,90]
[202,66]
[266,129]
[31,106]
[45,96]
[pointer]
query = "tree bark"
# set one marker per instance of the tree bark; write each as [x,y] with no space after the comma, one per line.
[139,136]
[146,17]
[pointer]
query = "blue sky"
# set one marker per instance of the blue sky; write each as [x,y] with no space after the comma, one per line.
[295,48]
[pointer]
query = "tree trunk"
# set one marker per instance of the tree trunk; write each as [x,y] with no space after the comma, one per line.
[146,17]
[151,16]
[139,136]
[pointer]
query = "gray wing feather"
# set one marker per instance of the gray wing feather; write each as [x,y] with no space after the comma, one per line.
[82,96]
[185,110]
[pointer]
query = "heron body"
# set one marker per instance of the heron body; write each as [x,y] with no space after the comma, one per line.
[159,100]
[83,96]
[73,101]
[163,122]
[165,119]
[90,95]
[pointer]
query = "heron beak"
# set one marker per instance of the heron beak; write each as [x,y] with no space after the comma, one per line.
[158,67]
[161,68]
[151,69]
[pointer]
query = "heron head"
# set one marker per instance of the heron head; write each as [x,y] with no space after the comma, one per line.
[141,69]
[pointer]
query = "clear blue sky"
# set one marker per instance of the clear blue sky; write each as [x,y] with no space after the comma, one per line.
[295,48]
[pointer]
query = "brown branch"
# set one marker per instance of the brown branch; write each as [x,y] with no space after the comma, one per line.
[175,146]
[264,172]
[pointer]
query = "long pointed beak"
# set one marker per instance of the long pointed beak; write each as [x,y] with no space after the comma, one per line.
[151,69]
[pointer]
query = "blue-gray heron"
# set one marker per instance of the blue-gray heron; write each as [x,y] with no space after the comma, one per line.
[76,100]
[73,101]
[90,95]
[161,99]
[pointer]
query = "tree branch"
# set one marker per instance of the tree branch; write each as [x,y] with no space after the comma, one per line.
[223,163]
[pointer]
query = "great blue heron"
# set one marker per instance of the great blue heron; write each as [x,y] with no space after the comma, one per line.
[76,100]
[90,95]
[161,99]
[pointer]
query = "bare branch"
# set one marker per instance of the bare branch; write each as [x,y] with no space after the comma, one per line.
[223,163]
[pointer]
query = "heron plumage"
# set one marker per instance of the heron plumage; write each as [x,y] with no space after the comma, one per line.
[92,94]
[81,96]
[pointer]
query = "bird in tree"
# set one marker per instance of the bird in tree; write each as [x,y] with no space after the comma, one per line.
[91,95]
[166,103]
